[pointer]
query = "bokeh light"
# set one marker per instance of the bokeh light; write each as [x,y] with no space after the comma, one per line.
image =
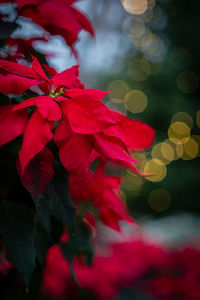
[135,101]
[159,199]
[156,170]
[117,90]
[132,182]
[198,118]
[179,132]
[182,117]
[191,149]
[137,7]
[164,152]
[187,82]
[139,69]
[152,45]
[134,27]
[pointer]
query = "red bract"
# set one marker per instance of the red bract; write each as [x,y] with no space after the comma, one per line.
[104,192]
[84,125]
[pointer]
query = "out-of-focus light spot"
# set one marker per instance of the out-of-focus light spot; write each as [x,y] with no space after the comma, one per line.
[156,168]
[147,16]
[132,182]
[182,117]
[187,82]
[133,27]
[152,45]
[157,15]
[139,69]
[140,156]
[167,151]
[117,90]
[191,149]
[198,118]
[136,7]
[159,199]
[156,67]
[177,149]
[196,138]
[135,101]
[179,132]
[163,152]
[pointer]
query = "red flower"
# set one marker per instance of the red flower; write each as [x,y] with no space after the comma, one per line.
[84,125]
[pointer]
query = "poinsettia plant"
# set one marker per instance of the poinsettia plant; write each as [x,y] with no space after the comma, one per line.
[57,139]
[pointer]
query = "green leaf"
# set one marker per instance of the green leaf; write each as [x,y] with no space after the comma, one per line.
[38,173]
[42,243]
[60,202]
[6,28]
[17,227]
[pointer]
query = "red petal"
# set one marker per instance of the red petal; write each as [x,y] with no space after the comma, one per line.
[113,151]
[96,94]
[83,20]
[38,173]
[38,69]
[68,78]
[12,123]
[48,108]
[14,84]
[88,116]
[137,134]
[36,135]
[74,151]
[18,69]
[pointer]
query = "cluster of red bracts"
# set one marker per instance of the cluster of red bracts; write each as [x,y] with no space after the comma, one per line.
[81,126]
[147,268]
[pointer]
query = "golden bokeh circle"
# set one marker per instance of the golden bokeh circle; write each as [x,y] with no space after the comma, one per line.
[117,90]
[136,7]
[135,101]
[182,117]
[179,132]
[156,170]
[191,149]
[139,69]
[132,181]
[159,200]
[164,152]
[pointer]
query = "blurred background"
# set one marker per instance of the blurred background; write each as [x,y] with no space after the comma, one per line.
[146,54]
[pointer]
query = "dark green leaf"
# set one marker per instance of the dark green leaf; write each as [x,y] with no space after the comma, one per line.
[42,243]
[6,28]
[57,193]
[38,173]
[43,216]
[17,227]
